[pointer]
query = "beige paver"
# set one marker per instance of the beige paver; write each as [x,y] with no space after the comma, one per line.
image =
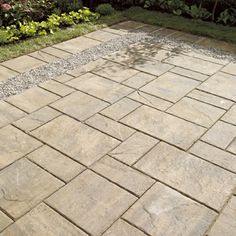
[25,188]
[9,113]
[128,26]
[4,221]
[99,87]
[6,73]
[170,86]
[63,78]
[56,163]
[215,155]
[80,105]
[163,211]
[230,116]
[14,145]
[88,200]
[225,223]
[125,176]
[164,126]
[191,175]
[220,135]
[221,84]
[123,228]
[120,109]
[210,99]
[36,119]
[197,112]
[232,146]
[56,52]
[43,56]
[133,148]
[80,142]
[194,64]
[230,68]
[57,88]
[150,100]
[32,99]
[42,220]
[102,35]
[23,63]
[110,127]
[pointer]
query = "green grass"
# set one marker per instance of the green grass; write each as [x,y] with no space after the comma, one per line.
[196,27]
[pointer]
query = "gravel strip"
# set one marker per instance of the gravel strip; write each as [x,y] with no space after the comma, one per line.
[58,67]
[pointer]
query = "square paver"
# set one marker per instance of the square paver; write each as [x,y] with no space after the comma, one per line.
[150,100]
[220,135]
[164,126]
[123,175]
[23,63]
[215,155]
[4,221]
[120,109]
[197,112]
[123,228]
[221,84]
[111,127]
[99,87]
[225,223]
[230,116]
[194,64]
[163,211]
[32,99]
[210,99]
[24,189]
[102,35]
[6,73]
[193,176]
[87,201]
[9,113]
[56,163]
[75,139]
[133,148]
[36,119]
[170,86]
[80,105]
[43,56]
[42,220]
[56,52]
[77,44]
[14,145]
[230,68]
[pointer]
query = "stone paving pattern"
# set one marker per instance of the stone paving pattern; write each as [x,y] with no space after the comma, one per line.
[138,144]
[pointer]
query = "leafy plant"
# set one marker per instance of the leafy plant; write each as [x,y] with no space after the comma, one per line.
[199,12]
[105,9]
[228,16]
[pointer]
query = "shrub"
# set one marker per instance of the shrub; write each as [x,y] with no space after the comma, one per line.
[105,9]
[69,5]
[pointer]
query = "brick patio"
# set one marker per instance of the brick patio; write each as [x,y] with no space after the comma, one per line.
[134,144]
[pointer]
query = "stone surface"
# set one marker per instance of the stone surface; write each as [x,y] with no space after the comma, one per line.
[170,86]
[123,175]
[63,78]
[232,146]
[230,68]
[221,84]
[189,174]
[123,228]
[4,221]
[75,139]
[6,73]
[32,99]
[23,63]
[36,119]
[110,127]
[210,99]
[14,145]
[196,112]
[133,148]
[57,88]
[25,188]
[164,126]
[43,56]
[42,220]
[215,155]
[79,105]
[99,87]
[225,223]
[230,116]
[56,163]
[9,113]
[194,64]
[88,200]
[163,211]
[101,35]
[220,135]
[120,109]
[56,52]
[150,100]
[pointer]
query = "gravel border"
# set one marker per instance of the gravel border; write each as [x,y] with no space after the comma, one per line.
[58,67]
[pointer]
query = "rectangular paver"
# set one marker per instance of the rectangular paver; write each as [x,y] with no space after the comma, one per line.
[230,116]
[230,68]
[6,73]
[4,221]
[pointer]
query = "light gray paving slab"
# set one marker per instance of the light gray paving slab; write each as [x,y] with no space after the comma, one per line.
[102,35]
[4,221]
[232,146]
[43,56]
[6,73]
[230,116]
[230,68]
[56,52]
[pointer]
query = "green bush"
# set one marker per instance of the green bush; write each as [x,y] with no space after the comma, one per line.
[105,9]
[69,5]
